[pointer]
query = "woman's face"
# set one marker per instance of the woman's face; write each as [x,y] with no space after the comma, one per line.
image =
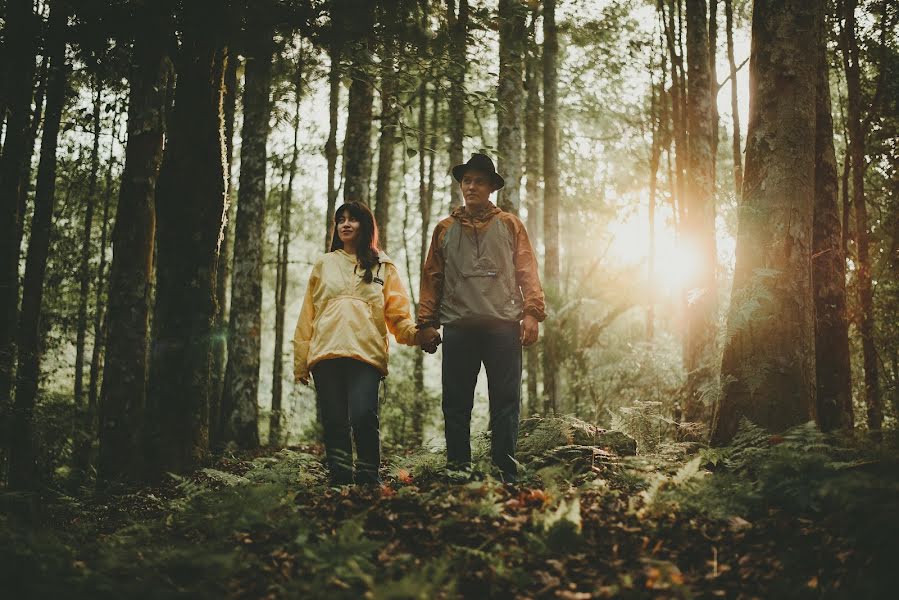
[347,228]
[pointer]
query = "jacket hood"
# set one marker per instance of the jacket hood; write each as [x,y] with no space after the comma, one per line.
[464,215]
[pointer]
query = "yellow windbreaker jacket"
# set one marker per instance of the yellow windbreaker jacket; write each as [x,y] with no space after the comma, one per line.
[344,317]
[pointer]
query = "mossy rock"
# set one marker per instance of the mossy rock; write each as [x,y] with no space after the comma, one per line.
[540,436]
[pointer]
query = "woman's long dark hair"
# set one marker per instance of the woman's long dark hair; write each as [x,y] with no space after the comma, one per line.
[366,243]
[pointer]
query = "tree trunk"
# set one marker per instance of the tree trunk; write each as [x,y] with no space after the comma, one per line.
[188,242]
[510,101]
[387,142]
[274,437]
[84,272]
[331,144]
[22,466]
[734,103]
[832,367]
[551,202]
[85,457]
[357,152]
[19,47]
[768,369]
[865,286]
[532,169]
[678,116]
[123,394]
[225,259]
[458,65]
[713,70]
[240,398]
[699,228]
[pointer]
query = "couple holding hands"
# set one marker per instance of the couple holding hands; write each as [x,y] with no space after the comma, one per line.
[479,282]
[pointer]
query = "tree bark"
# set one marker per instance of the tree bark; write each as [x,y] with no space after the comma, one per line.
[22,466]
[551,201]
[458,65]
[189,207]
[225,259]
[387,142]
[510,101]
[713,70]
[678,116]
[331,144]
[699,228]
[240,398]
[20,47]
[84,273]
[873,399]
[768,369]
[274,437]
[734,103]
[832,366]
[123,394]
[532,186]
[357,153]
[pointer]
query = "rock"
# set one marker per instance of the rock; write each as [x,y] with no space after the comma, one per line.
[538,436]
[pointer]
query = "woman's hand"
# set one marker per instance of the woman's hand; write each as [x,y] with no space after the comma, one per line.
[304,379]
[428,338]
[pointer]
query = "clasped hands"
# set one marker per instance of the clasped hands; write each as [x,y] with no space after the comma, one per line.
[428,338]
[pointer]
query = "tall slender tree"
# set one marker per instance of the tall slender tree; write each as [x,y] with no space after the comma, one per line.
[123,393]
[852,62]
[551,200]
[20,47]
[225,259]
[510,101]
[734,100]
[240,402]
[532,164]
[284,238]
[22,467]
[357,152]
[458,63]
[832,367]
[387,141]
[701,301]
[768,369]
[335,49]
[187,248]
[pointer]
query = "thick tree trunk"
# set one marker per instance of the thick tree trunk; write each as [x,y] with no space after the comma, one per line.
[865,286]
[734,103]
[274,436]
[387,142]
[225,259]
[22,466]
[699,228]
[510,101]
[551,202]
[768,369]
[189,208]
[532,186]
[19,47]
[123,394]
[357,153]
[458,65]
[84,273]
[240,398]
[832,367]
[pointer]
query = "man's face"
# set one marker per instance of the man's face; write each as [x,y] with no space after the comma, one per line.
[476,188]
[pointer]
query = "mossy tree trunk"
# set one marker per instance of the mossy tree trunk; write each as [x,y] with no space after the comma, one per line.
[123,393]
[768,368]
[240,402]
[510,101]
[458,65]
[189,208]
[532,164]
[387,141]
[357,152]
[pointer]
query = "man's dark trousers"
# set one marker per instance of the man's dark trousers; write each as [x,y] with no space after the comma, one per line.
[497,345]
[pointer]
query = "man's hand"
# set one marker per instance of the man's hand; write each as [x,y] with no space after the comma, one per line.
[428,338]
[530,328]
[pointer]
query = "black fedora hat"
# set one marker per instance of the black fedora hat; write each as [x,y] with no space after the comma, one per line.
[481,162]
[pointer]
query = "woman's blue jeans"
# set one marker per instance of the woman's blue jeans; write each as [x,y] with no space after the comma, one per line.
[348,395]
[497,345]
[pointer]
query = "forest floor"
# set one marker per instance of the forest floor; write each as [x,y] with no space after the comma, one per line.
[771,517]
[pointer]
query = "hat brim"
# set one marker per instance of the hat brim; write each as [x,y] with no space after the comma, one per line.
[460,170]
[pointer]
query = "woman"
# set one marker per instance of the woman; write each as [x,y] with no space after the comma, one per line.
[354,297]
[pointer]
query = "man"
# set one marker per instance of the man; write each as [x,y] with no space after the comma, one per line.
[480,283]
